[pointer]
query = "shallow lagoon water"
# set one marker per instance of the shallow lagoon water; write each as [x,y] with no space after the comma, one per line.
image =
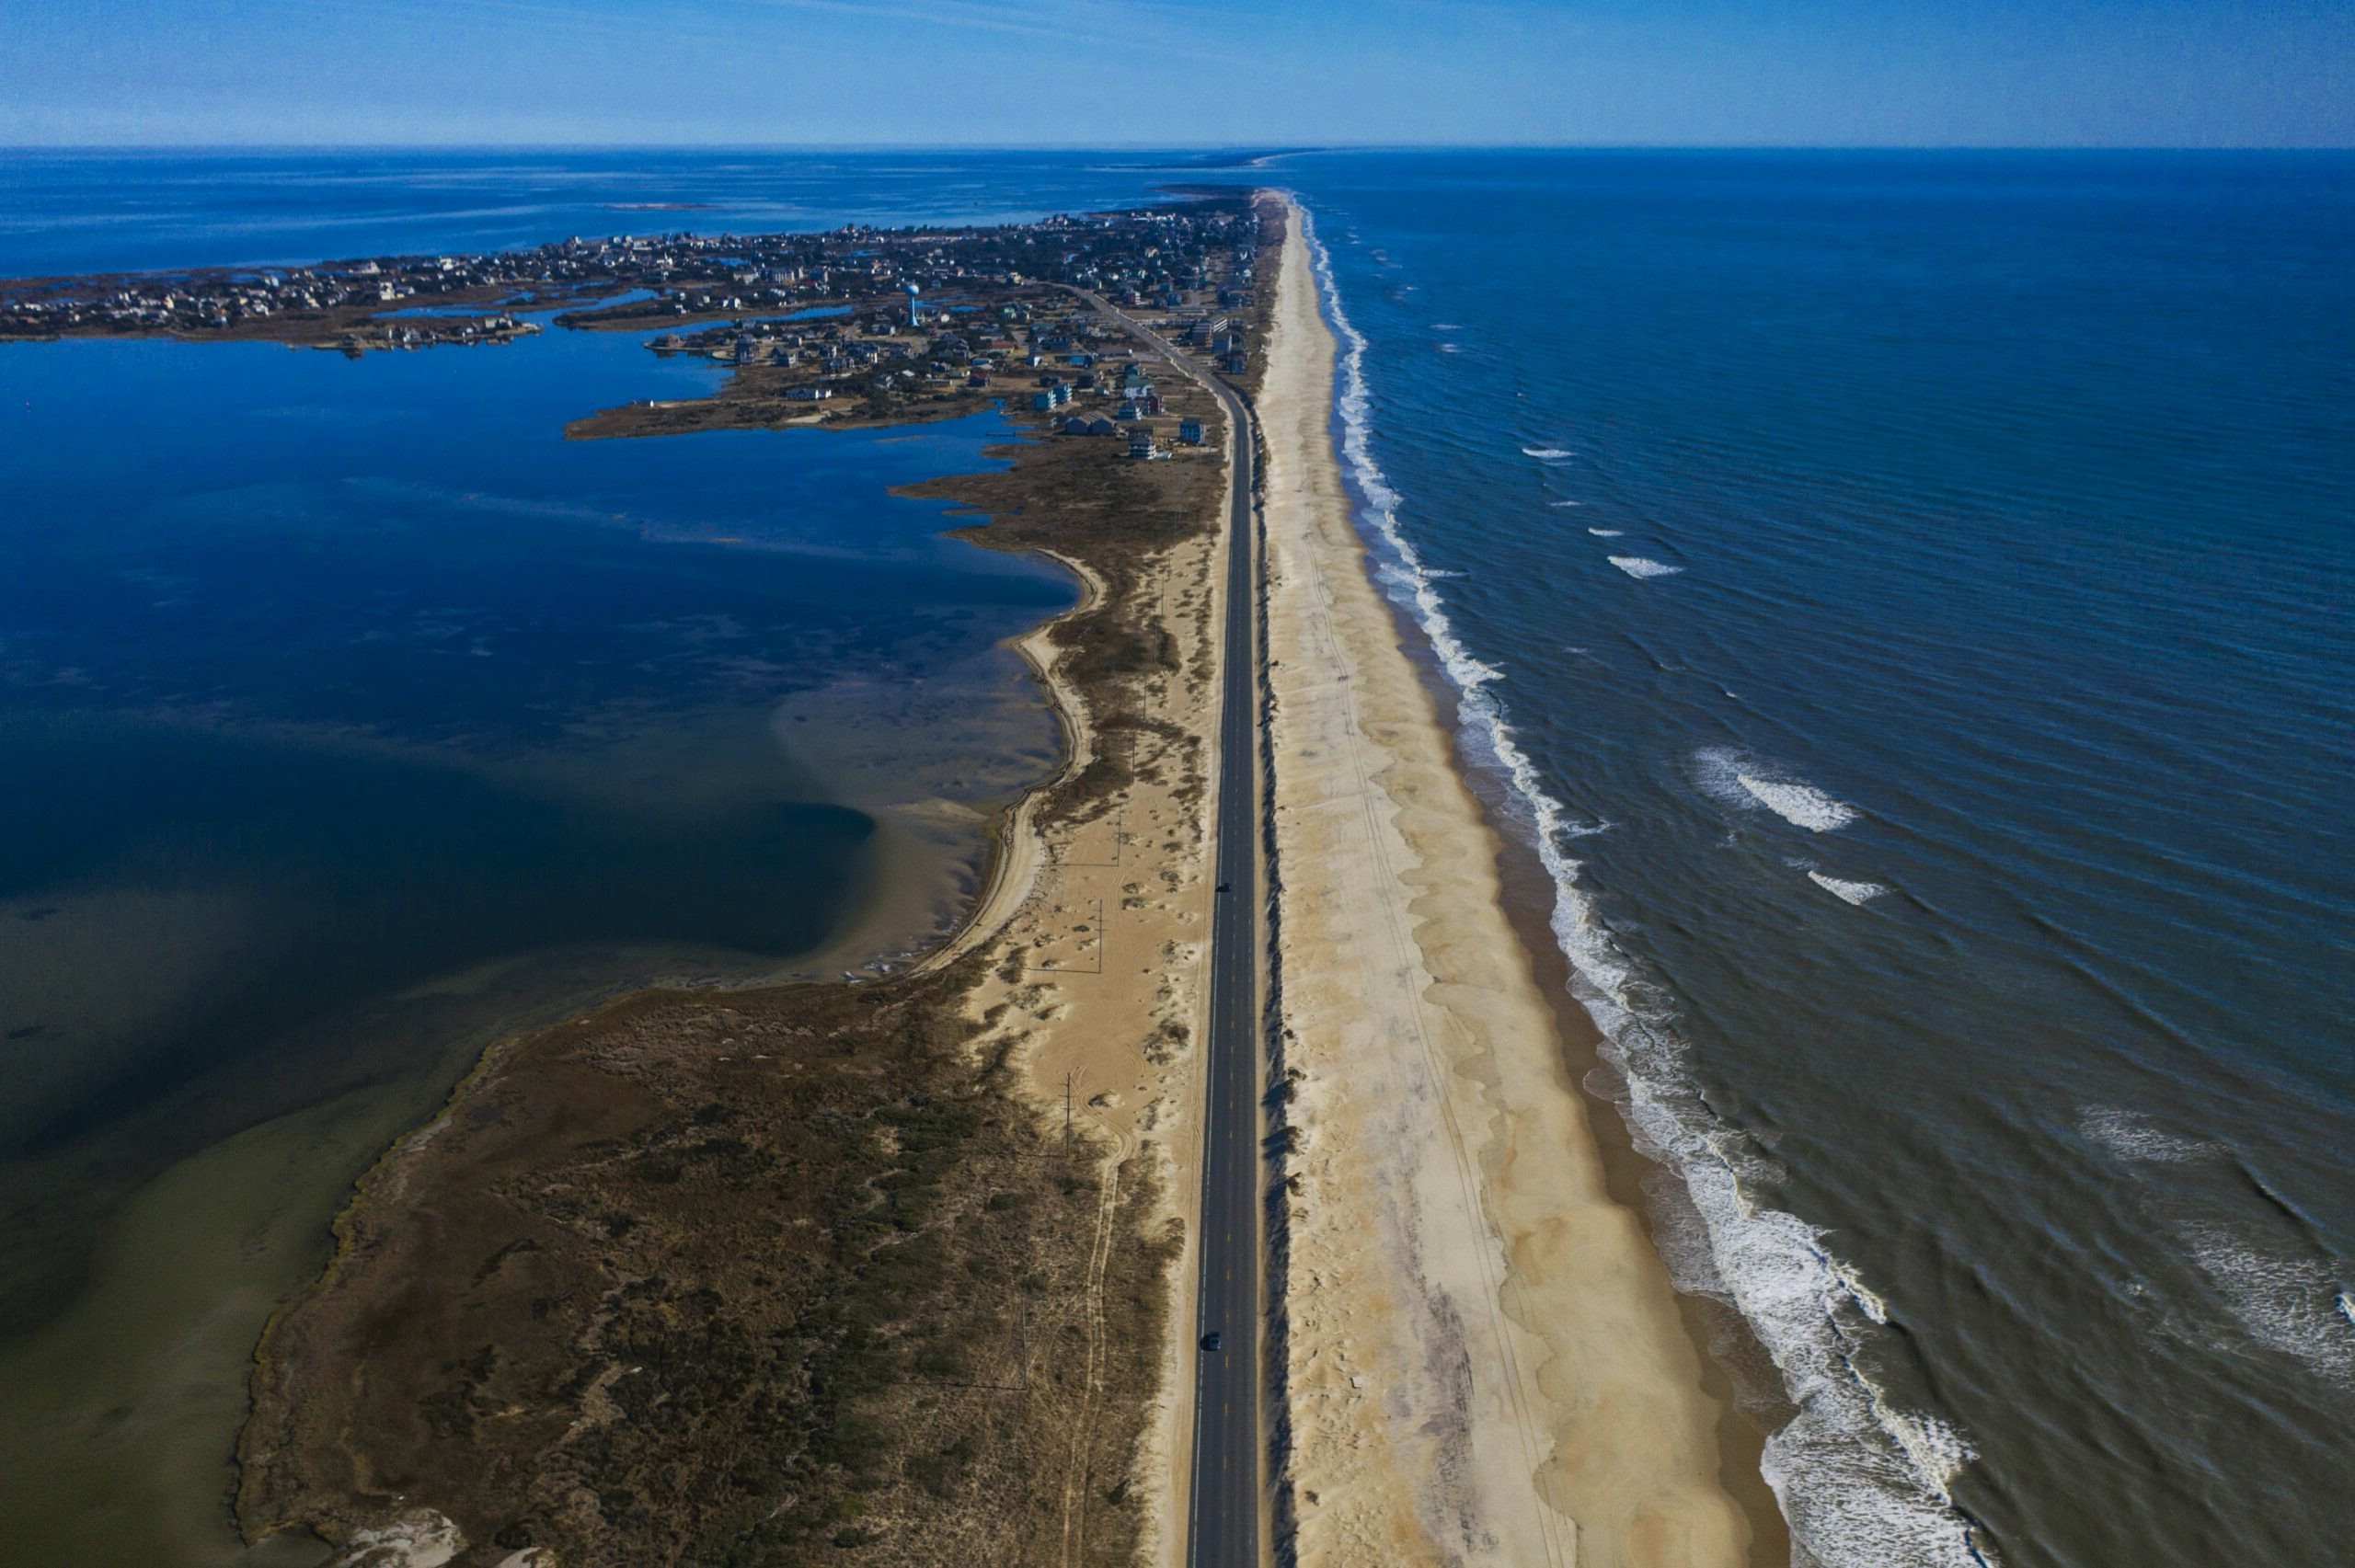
[354,716]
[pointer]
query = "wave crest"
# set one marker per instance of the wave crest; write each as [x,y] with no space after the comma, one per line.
[1859,893]
[1748,783]
[1643,567]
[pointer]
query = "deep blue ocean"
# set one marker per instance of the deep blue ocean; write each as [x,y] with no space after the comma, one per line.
[1897,605]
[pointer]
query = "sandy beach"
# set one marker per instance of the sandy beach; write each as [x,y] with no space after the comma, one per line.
[1486,1362]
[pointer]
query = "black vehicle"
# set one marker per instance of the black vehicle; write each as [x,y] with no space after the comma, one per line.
[1211,1341]
[1226,887]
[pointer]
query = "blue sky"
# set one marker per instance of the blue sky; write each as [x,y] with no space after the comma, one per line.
[2173,73]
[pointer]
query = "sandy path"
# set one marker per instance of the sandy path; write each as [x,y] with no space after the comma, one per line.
[1486,1359]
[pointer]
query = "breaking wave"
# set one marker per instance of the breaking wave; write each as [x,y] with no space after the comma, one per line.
[1546,453]
[2126,1135]
[1747,784]
[1862,1484]
[1859,893]
[2289,1304]
[1643,567]
[1606,532]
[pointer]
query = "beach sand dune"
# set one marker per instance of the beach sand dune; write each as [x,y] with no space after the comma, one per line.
[1486,1363]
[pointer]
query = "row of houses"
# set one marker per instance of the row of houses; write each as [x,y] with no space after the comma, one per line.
[1165,254]
[1143,440]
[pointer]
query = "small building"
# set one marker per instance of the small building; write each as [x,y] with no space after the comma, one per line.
[1190,431]
[1140,443]
[1042,402]
[813,392]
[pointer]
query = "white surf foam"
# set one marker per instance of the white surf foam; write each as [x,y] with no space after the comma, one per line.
[1547,453]
[1606,532]
[1748,783]
[2129,1136]
[1863,1484]
[1643,567]
[1802,806]
[1449,348]
[2289,1304]
[1569,503]
[1853,892]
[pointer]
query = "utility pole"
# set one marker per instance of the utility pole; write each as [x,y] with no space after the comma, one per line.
[1066,1116]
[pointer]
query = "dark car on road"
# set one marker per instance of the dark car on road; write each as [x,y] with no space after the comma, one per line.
[1211,1341]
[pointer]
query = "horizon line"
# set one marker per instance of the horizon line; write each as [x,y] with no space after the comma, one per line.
[1257,148]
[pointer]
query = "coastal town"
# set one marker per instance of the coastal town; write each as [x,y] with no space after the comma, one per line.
[855,325]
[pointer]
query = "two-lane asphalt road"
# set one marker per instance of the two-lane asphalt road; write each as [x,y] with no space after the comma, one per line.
[1223,1515]
[1223,1519]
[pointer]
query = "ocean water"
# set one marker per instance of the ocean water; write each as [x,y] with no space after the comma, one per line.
[1903,600]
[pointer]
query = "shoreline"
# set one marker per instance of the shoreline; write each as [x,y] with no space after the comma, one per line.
[1465,1289]
[1012,828]
[1737,1370]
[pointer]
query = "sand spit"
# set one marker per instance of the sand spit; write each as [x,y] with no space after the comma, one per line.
[1485,1360]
